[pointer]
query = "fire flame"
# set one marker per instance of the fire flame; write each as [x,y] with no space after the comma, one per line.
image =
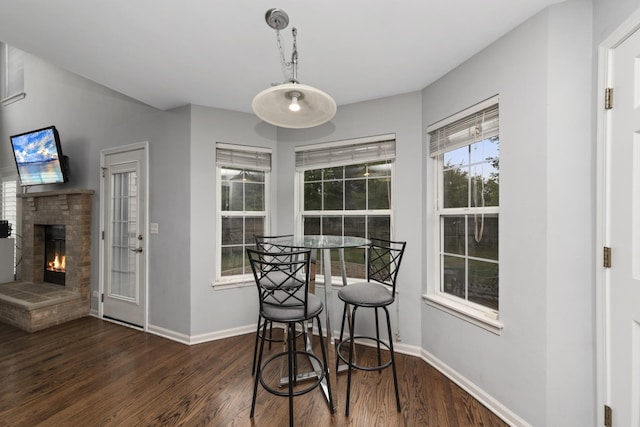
[58,263]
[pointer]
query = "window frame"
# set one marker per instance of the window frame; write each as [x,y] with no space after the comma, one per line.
[435,296]
[300,213]
[245,279]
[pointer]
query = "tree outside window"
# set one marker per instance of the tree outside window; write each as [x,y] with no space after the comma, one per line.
[466,151]
[469,246]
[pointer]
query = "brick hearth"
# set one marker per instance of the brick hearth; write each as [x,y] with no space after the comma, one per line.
[33,304]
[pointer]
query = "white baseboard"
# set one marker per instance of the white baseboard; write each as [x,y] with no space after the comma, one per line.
[198,339]
[479,394]
[228,333]
[169,334]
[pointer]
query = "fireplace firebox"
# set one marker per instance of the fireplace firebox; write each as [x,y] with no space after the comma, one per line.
[54,254]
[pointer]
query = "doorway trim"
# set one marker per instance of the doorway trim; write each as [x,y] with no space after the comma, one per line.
[603,216]
[101,285]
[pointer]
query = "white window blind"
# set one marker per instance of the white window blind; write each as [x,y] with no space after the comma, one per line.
[478,126]
[9,207]
[243,157]
[345,154]
[8,202]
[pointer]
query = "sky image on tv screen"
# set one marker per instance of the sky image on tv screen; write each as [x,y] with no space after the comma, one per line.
[37,158]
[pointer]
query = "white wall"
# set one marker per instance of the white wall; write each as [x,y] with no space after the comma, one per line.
[570,216]
[609,14]
[219,310]
[541,366]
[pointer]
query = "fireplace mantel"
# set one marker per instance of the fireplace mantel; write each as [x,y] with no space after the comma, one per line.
[56,193]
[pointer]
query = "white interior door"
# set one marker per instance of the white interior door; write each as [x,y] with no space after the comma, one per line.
[124,248]
[623,223]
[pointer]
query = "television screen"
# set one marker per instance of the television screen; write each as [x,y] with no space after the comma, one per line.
[39,157]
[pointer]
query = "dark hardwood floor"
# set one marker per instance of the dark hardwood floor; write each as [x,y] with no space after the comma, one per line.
[94,373]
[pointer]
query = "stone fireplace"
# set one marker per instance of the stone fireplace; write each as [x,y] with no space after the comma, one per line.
[62,219]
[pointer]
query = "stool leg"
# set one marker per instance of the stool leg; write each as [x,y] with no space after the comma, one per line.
[378,341]
[255,347]
[258,370]
[351,344]
[393,360]
[292,328]
[291,355]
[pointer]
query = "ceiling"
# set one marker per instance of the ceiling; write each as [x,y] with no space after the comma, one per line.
[220,53]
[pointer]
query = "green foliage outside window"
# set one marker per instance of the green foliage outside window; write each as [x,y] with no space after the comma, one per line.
[469,240]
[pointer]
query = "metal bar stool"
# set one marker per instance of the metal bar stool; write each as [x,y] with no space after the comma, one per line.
[283,289]
[377,292]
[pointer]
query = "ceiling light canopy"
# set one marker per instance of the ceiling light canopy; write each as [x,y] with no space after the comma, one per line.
[291,104]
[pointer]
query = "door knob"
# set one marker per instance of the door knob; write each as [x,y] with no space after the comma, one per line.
[136,250]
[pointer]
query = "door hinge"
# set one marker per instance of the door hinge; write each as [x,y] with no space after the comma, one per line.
[607,416]
[101,297]
[102,234]
[606,258]
[608,98]
[104,172]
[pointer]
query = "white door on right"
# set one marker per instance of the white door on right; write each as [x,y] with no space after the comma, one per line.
[623,191]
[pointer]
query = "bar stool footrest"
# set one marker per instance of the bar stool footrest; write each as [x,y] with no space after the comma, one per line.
[285,390]
[354,365]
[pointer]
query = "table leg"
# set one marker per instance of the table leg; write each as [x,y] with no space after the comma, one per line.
[343,270]
[328,304]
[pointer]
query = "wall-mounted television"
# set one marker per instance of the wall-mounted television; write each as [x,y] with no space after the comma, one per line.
[39,157]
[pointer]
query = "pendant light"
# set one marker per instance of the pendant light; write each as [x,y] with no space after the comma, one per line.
[291,104]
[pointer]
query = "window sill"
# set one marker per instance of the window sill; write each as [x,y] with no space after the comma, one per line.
[486,319]
[13,98]
[240,282]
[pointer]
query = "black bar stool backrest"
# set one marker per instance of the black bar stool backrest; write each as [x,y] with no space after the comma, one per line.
[384,261]
[282,278]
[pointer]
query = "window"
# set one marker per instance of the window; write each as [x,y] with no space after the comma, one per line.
[9,207]
[243,175]
[347,191]
[466,151]
[12,74]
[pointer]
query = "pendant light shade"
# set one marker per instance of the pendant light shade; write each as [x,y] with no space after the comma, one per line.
[294,105]
[291,104]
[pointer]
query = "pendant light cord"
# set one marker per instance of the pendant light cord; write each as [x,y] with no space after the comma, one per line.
[289,68]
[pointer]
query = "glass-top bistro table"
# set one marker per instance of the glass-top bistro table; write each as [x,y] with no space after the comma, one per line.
[326,244]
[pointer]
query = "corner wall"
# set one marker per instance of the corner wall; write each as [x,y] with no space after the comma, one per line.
[540,369]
